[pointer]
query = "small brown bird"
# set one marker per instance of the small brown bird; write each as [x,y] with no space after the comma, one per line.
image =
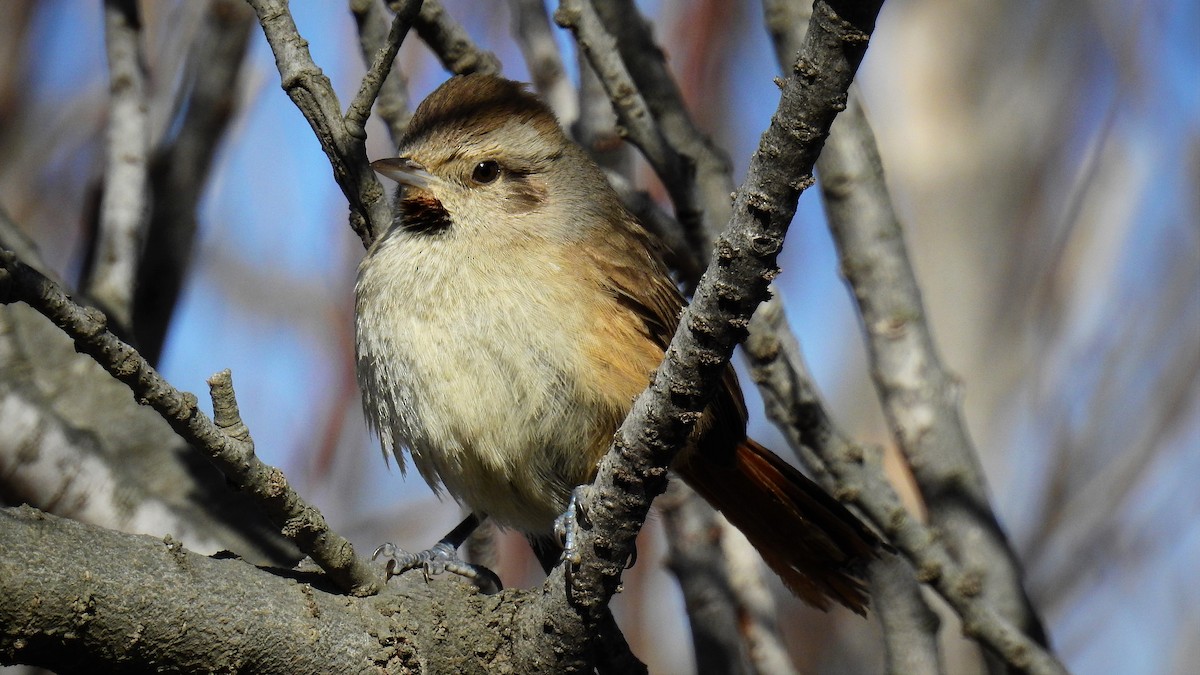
[512,312]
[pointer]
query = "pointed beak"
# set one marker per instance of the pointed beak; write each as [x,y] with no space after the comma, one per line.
[404,171]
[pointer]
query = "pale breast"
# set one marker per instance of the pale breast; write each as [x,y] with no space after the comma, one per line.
[468,359]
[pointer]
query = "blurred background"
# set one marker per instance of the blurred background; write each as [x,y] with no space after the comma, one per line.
[1044,157]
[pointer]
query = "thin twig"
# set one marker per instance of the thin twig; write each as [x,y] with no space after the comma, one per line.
[637,123]
[709,168]
[381,67]
[226,441]
[124,204]
[373,32]
[311,91]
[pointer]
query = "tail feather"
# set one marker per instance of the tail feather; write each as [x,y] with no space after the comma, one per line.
[806,536]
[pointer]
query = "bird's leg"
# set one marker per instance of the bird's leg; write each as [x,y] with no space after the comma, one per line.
[442,557]
[566,526]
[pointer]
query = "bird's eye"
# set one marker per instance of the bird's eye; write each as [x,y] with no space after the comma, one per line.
[486,172]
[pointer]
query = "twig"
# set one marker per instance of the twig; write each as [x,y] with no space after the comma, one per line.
[124,204]
[179,168]
[454,47]
[854,473]
[373,34]
[226,441]
[635,469]
[313,94]
[381,67]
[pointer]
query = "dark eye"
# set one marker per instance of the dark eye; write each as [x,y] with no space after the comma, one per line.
[486,172]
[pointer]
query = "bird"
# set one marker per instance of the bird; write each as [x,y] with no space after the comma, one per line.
[510,314]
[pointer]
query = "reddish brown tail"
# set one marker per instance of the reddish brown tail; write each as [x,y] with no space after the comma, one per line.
[811,541]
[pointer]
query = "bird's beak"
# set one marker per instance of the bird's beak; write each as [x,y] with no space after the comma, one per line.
[404,171]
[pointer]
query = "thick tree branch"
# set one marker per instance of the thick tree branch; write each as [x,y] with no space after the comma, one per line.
[85,599]
[232,454]
[313,94]
[920,399]
[635,470]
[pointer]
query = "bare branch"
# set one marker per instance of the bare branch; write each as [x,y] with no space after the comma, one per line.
[634,114]
[708,166]
[635,469]
[454,47]
[373,34]
[854,473]
[313,94]
[232,454]
[531,27]
[180,167]
[920,399]
[380,68]
[124,204]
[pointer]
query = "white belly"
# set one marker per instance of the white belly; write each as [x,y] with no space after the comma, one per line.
[468,364]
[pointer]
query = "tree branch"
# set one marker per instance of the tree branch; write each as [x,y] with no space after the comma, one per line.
[635,469]
[373,34]
[853,472]
[232,454]
[454,47]
[311,91]
[124,203]
[380,68]
[180,166]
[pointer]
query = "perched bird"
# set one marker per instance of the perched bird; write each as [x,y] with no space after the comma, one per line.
[511,313]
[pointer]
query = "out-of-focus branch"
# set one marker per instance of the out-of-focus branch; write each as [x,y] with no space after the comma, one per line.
[380,66]
[313,94]
[373,34]
[920,399]
[449,40]
[225,441]
[635,470]
[853,472]
[531,27]
[124,203]
[708,166]
[639,125]
[180,166]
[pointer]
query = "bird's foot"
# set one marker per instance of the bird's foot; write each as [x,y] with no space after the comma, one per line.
[443,557]
[567,526]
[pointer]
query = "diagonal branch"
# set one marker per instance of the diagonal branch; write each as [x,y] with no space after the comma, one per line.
[313,94]
[225,441]
[380,69]
[793,402]
[635,469]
